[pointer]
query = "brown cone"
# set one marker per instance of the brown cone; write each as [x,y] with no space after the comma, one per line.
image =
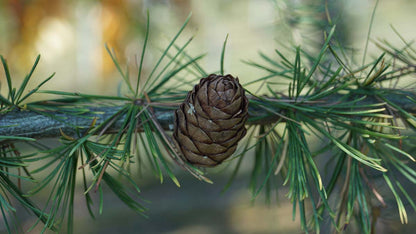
[210,122]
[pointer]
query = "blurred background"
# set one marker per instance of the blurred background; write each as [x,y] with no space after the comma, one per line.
[70,36]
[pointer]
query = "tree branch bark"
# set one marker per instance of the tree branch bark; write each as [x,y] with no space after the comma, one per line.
[26,123]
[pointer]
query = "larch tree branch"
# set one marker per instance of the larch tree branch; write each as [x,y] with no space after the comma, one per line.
[36,124]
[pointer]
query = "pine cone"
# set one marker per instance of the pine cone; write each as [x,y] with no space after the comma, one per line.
[210,122]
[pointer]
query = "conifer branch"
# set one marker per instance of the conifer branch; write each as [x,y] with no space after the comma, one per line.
[37,124]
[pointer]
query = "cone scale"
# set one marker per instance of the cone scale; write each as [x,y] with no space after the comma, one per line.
[211,121]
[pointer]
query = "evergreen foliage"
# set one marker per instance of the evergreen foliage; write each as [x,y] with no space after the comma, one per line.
[362,119]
